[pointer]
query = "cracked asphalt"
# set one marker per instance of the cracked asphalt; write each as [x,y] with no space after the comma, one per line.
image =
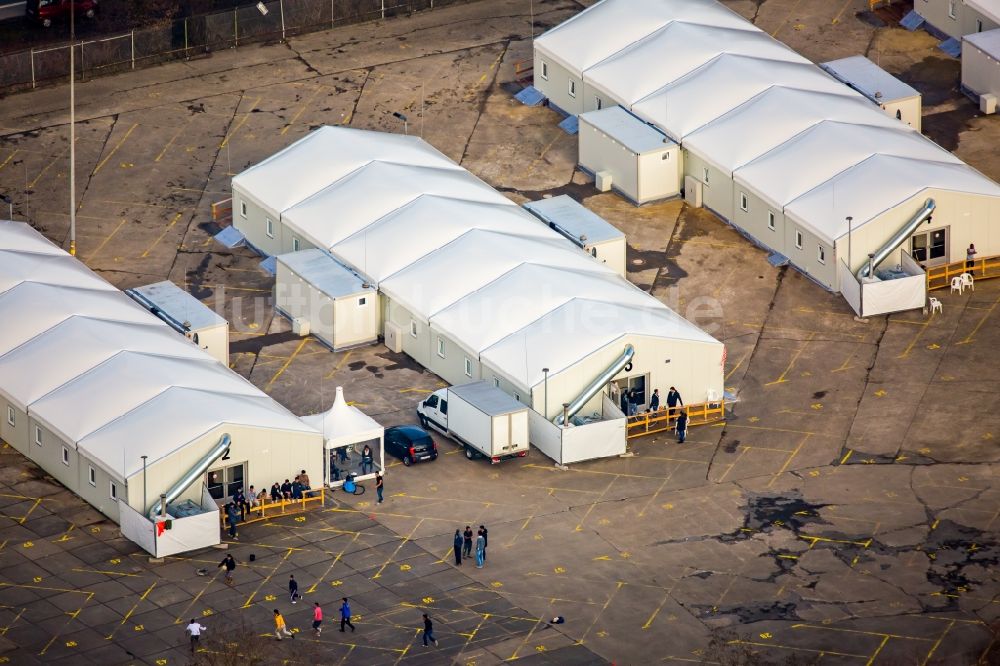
[845,513]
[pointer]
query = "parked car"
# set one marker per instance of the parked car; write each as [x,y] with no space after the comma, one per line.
[410,444]
[47,12]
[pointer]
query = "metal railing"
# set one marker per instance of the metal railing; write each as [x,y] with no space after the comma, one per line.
[939,277]
[194,36]
[701,413]
[267,509]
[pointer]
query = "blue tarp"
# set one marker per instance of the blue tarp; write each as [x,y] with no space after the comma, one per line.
[570,125]
[530,96]
[952,47]
[912,20]
[777,260]
[270,265]
[230,237]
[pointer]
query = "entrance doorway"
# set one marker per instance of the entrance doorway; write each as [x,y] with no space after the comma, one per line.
[620,387]
[223,483]
[930,247]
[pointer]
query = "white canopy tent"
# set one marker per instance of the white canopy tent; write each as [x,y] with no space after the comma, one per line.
[345,425]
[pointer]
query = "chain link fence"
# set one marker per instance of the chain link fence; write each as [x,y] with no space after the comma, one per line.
[194,36]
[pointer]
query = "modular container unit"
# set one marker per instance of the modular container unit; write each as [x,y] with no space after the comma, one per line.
[481,417]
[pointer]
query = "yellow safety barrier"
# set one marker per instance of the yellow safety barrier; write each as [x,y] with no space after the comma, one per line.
[222,210]
[664,418]
[314,498]
[939,277]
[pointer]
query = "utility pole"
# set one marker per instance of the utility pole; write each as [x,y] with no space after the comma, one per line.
[72,129]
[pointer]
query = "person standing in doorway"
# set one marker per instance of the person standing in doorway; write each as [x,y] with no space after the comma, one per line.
[654,402]
[317,619]
[230,565]
[682,426]
[458,547]
[673,399]
[633,408]
[970,256]
[378,486]
[623,400]
[293,589]
[486,539]
[367,460]
[480,551]
[194,629]
[280,630]
[467,547]
[345,615]
[429,631]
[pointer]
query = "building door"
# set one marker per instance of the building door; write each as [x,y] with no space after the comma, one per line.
[620,387]
[930,247]
[223,483]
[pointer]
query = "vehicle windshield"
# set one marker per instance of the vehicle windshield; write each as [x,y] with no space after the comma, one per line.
[423,443]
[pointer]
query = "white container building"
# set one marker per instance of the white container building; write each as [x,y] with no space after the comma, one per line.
[981,68]
[592,233]
[187,315]
[897,99]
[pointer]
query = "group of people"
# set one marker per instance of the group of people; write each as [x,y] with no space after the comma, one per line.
[244,502]
[281,627]
[464,543]
[630,407]
[367,461]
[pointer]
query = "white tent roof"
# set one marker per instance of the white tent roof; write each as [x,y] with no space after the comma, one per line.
[94,366]
[323,156]
[344,424]
[73,347]
[773,117]
[826,149]
[678,49]
[323,272]
[878,184]
[869,79]
[20,236]
[427,224]
[569,333]
[607,27]
[376,189]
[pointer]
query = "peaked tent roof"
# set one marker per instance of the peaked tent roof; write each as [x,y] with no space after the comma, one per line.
[344,424]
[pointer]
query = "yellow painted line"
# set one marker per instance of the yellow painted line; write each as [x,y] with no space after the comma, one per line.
[836,19]
[733,464]
[242,121]
[267,578]
[936,645]
[417,390]
[378,574]
[847,456]
[4,630]
[339,365]
[157,241]
[913,343]
[32,508]
[105,241]
[4,163]
[335,560]
[737,366]
[170,143]
[795,357]
[287,362]
[789,461]
[305,105]
[787,17]
[131,610]
[982,321]
[656,612]
[877,634]
[114,150]
[108,573]
[47,167]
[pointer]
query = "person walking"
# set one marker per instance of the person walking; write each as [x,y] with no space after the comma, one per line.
[429,631]
[480,550]
[345,615]
[293,589]
[232,520]
[367,460]
[317,619]
[654,402]
[230,565]
[486,539]
[378,485]
[673,399]
[970,256]
[280,630]
[467,545]
[194,628]
[682,426]
[458,547]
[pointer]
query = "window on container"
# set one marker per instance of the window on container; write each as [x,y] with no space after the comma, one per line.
[10,415]
[38,436]
[413,328]
[545,70]
[951,8]
[704,175]
[113,491]
[362,301]
[572,88]
[295,245]
[440,347]
[770,220]
[65,456]
[468,367]
[91,476]
[798,239]
[600,103]
[269,228]
[243,208]
[821,254]
[979,25]
[517,396]
[744,202]
[496,382]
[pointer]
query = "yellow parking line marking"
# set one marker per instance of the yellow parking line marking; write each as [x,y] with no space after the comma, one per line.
[836,19]
[287,362]
[378,574]
[4,630]
[847,456]
[305,105]
[114,150]
[242,121]
[795,357]
[656,612]
[733,464]
[268,577]
[787,17]
[32,508]
[108,573]
[737,366]
[131,610]
[789,461]
[41,173]
[340,364]
[936,645]
[4,163]
[160,237]
[105,241]
[913,343]
[170,143]
[335,560]
[982,321]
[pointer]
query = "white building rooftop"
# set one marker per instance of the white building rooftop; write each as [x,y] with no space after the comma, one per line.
[323,272]
[575,219]
[628,130]
[179,305]
[869,79]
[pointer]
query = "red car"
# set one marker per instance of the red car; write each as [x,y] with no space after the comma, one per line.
[47,12]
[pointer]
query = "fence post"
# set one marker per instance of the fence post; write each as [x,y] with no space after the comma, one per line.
[281,6]
[383,9]
[32,67]
[333,22]
[83,65]
[186,47]
[236,27]
[133,49]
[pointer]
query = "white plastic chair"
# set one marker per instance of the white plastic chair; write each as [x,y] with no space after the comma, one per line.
[968,281]
[936,306]
[957,285]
